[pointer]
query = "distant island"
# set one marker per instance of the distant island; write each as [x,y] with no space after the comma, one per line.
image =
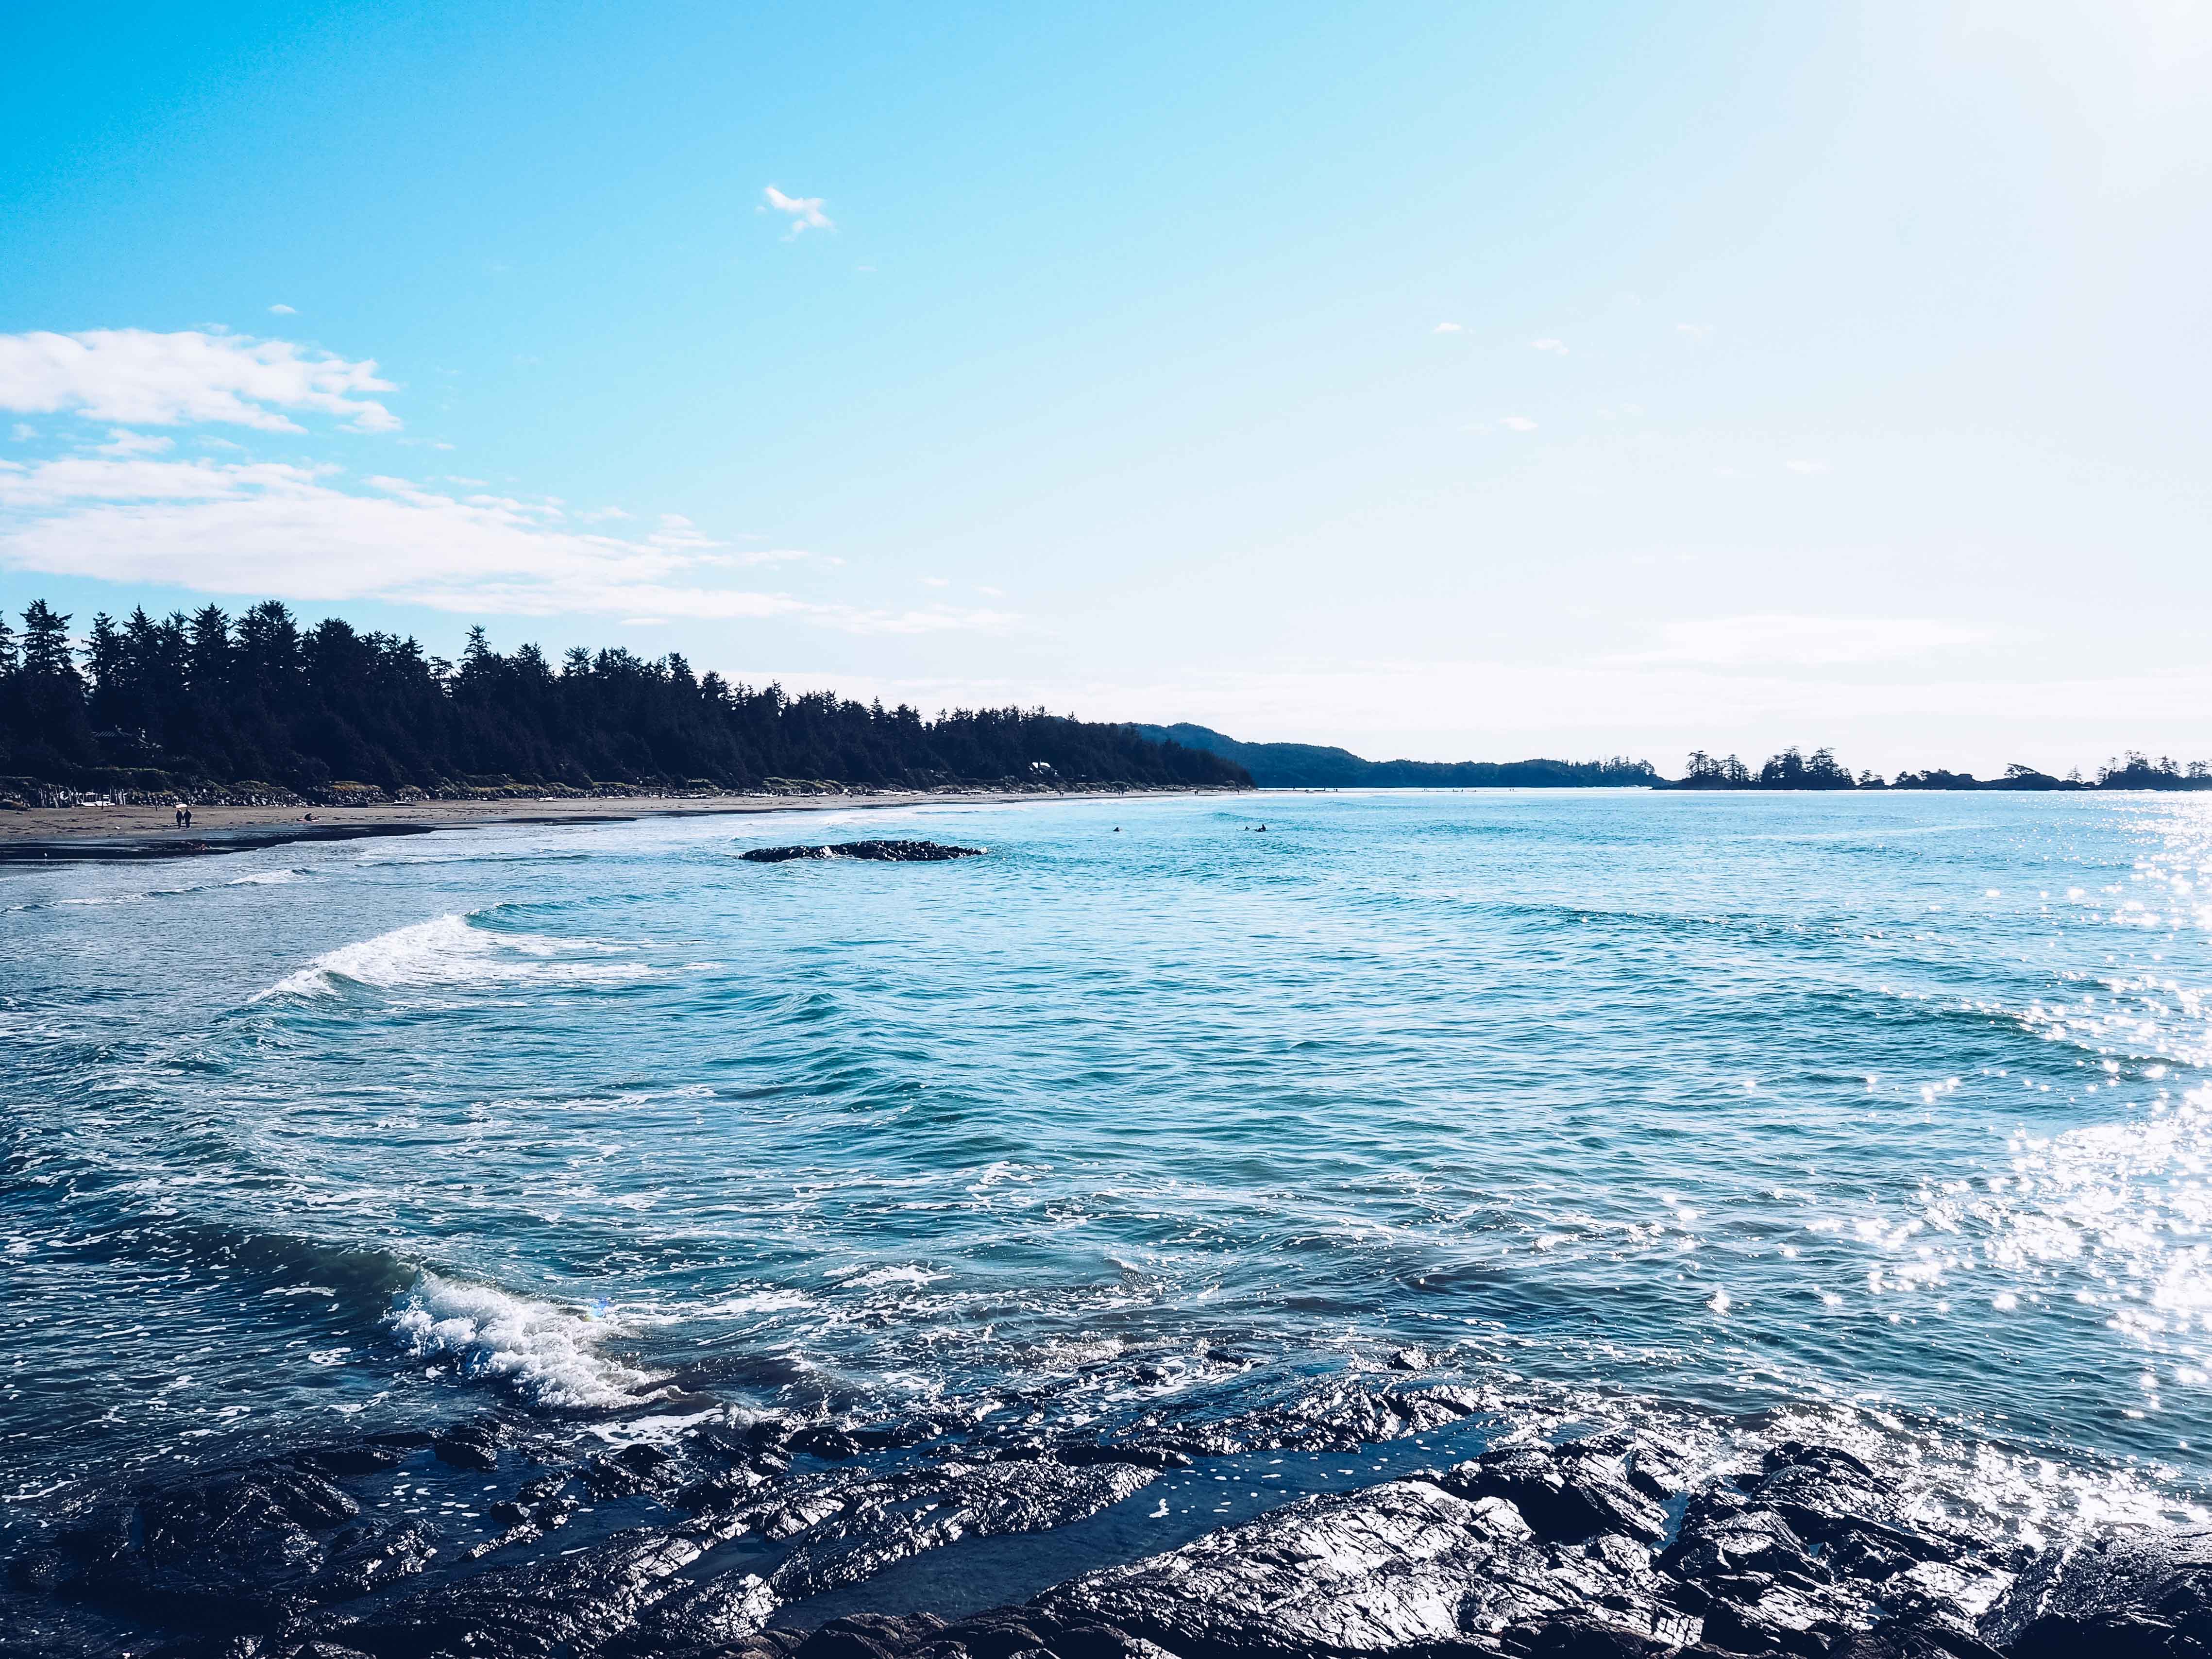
[257,707]
[1309,766]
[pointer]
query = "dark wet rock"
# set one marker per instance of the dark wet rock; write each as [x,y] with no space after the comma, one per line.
[473,1445]
[1562,1493]
[708,1620]
[888,851]
[1831,1498]
[2147,1593]
[633,1469]
[241,1549]
[1343,1418]
[566,1603]
[821,1440]
[882,1522]
[1759,1587]
[1401,1568]
[368,1457]
[717,1491]
[1409,1359]
[871,1636]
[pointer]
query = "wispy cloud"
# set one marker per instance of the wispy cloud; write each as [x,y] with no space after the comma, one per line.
[121,441]
[1694,330]
[24,432]
[282,311]
[1449,328]
[304,534]
[1804,641]
[805,211]
[132,377]
[1557,348]
[1516,423]
[1807,466]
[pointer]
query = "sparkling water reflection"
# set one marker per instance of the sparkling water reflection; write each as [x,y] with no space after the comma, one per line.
[1886,1116]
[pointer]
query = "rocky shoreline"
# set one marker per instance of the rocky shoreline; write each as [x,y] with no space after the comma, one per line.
[801,1537]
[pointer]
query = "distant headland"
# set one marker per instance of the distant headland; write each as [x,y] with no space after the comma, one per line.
[1309,766]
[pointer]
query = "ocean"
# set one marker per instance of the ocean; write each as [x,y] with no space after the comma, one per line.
[1882,1119]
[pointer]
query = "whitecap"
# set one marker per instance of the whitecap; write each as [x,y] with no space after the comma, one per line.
[450,950]
[547,1353]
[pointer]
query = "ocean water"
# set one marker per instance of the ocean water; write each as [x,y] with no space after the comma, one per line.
[1885,1119]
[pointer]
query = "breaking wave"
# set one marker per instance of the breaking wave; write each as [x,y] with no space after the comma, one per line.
[546,1353]
[452,951]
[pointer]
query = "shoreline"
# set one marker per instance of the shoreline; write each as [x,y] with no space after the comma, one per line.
[40,835]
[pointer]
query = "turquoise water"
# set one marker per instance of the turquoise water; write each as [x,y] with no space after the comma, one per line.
[1887,1117]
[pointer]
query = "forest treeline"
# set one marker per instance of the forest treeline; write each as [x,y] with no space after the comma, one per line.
[208,701]
[1793,769]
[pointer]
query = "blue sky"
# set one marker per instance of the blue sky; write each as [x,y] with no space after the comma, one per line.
[1453,381]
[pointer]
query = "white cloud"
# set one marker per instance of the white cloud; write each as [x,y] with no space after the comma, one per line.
[24,432]
[1450,328]
[1516,423]
[935,581]
[1557,348]
[805,211]
[132,377]
[294,532]
[121,441]
[1694,330]
[1808,466]
[1804,641]
[282,311]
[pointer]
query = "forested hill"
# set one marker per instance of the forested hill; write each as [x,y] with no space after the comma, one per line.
[1309,766]
[209,701]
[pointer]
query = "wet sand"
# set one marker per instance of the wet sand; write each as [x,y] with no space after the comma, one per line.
[149,832]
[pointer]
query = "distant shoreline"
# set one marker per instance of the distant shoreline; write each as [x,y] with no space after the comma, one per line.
[122,834]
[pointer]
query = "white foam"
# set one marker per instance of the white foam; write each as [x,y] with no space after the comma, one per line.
[548,1353]
[449,951]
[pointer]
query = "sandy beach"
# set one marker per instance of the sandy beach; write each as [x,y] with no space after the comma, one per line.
[131,832]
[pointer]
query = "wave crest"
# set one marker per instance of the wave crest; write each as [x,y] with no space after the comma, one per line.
[451,950]
[548,1354]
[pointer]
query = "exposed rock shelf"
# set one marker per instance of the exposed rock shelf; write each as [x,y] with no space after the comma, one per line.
[881,852]
[779,1538]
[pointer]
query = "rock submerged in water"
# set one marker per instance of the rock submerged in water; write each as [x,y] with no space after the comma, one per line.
[881,852]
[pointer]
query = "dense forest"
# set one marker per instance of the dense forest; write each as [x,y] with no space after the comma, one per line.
[212,704]
[1311,766]
[1793,769]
